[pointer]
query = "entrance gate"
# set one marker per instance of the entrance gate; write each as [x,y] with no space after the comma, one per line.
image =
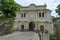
[31,26]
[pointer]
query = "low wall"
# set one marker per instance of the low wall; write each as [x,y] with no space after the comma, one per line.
[6,25]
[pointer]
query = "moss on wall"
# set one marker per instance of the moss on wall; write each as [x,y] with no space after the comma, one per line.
[6,25]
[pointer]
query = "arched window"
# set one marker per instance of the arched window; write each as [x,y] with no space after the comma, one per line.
[39,14]
[24,14]
[21,14]
[43,14]
[42,28]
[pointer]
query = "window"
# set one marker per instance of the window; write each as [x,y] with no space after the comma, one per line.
[39,14]
[22,15]
[43,14]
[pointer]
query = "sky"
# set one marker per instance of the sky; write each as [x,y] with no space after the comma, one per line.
[51,4]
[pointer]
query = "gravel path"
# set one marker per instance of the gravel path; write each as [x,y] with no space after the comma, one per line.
[19,36]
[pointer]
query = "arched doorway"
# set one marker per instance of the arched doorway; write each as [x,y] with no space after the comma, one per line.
[31,26]
[22,27]
[42,28]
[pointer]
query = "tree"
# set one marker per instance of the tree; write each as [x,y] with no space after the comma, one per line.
[9,8]
[58,9]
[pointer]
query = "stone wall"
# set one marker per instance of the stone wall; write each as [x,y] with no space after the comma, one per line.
[57,27]
[6,25]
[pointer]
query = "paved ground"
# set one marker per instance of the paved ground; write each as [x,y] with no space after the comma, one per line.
[21,36]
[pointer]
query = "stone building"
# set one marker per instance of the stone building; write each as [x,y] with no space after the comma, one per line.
[57,27]
[34,17]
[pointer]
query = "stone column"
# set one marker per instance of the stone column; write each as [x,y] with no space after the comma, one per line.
[26,26]
[35,26]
